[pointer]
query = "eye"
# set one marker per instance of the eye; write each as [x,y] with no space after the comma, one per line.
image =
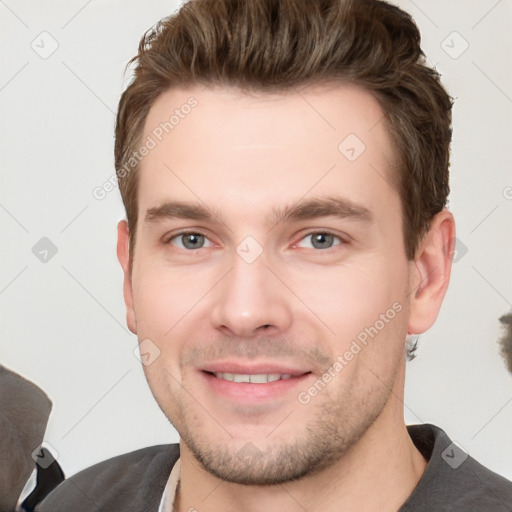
[189,240]
[321,240]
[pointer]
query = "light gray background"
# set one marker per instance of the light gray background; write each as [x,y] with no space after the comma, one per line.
[63,321]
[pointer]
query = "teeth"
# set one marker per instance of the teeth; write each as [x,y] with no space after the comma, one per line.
[261,378]
[258,379]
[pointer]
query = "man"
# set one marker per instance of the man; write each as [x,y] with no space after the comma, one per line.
[284,169]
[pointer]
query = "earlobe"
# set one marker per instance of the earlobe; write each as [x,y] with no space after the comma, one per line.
[123,255]
[430,272]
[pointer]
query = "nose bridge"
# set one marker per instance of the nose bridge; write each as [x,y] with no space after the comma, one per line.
[249,296]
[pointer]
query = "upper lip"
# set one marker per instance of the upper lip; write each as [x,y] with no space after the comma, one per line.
[252,369]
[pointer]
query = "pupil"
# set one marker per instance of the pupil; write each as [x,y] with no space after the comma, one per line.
[321,238]
[192,241]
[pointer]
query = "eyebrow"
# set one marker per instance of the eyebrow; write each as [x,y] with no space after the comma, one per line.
[314,208]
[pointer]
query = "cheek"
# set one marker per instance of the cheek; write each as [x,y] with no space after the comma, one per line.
[154,301]
[163,297]
[164,382]
[167,304]
[364,300]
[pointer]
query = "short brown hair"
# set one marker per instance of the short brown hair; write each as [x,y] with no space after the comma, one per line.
[271,46]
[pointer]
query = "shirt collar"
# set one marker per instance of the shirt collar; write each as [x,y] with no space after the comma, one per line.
[169,495]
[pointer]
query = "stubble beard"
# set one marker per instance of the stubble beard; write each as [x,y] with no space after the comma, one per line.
[338,425]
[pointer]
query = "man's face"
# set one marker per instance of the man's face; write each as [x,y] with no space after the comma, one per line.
[251,291]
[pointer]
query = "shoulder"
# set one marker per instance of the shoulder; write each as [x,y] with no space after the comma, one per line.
[496,490]
[132,481]
[473,487]
[453,479]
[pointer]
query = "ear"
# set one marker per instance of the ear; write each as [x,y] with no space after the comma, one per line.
[123,255]
[430,272]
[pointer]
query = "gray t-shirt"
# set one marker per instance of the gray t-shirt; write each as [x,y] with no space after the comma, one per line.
[454,481]
[134,482]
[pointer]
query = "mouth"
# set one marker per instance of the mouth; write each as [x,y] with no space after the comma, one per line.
[257,378]
[253,384]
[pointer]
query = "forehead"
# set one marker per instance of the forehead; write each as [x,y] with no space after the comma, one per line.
[234,150]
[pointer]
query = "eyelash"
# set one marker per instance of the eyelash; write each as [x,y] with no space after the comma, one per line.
[168,240]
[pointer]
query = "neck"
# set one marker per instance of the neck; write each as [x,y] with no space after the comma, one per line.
[378,473]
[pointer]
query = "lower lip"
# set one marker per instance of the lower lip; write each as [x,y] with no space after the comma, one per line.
[247,390]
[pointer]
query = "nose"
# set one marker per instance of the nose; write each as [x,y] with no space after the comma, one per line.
[251,300]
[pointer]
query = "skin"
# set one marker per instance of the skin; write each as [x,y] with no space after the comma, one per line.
[299,303]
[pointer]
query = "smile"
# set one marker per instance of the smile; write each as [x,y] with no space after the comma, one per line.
[260,378]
